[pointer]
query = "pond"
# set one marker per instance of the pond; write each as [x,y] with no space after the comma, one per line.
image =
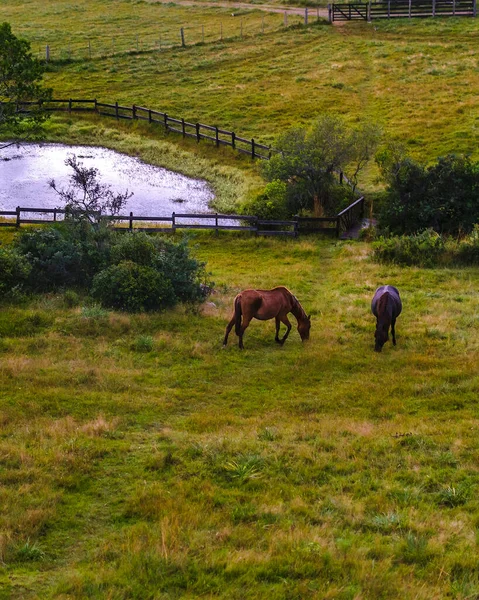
[26,170]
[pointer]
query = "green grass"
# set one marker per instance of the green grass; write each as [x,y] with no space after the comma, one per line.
[418,79]
[140,460]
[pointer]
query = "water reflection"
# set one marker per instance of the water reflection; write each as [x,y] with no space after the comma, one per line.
[25,172]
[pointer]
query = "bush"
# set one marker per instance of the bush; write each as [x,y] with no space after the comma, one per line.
[55,260]
[271,203]
[423,249]
[138,247]
[441,196]
[468,251]
[14,270]
[132,287]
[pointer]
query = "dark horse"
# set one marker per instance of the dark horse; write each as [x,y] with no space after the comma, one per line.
[386,307]
[264,305]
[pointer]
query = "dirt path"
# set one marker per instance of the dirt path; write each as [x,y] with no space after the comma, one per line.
[295,10]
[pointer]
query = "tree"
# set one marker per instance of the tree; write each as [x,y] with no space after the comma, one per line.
[441,196]
[20,81]
[309,160]
[87,198]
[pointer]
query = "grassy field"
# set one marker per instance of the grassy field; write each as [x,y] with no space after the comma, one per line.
[140,460]
[419,80]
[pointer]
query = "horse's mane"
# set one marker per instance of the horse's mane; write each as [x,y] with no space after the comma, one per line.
[297,308]
[382,305]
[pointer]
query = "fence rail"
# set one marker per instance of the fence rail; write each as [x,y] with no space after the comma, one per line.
[389,9]
[215,221]
[198,131]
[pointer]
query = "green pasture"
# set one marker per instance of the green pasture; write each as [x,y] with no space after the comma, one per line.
[138,459]
[418,79]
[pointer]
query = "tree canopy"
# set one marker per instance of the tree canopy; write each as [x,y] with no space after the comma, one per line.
[310,159]
[20,81]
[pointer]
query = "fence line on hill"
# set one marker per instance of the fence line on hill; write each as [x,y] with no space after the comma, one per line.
[239,27]
[214,221]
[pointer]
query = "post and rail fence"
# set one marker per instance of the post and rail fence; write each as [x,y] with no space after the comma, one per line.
[214,221]
[390,9]
[197,131]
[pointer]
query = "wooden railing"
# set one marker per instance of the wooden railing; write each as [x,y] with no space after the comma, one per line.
[389,9]
[214,221]
[198,131]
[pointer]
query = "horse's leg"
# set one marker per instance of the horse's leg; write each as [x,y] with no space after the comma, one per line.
[244,325]
[285,320]
[393,331]
[278,322]
[229,327]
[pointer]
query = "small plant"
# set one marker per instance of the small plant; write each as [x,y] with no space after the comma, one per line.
[453,496]
[94,312]
[245,468]
[144,343]
[387,521]
[29,552]
[414,550]
[71,299]
[268,434]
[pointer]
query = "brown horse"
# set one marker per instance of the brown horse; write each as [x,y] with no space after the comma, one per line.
[386,306]
[264,305]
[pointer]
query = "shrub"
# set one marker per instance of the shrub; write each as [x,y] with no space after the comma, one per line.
[54,259]
[441,196]
[424,249]
[468,251]
[271,203]
[138,247]
[14,270]
[132,287]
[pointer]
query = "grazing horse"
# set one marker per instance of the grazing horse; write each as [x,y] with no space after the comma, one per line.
[264,305]
[386,307]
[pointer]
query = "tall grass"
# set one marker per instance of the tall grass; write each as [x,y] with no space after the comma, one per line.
[139,459]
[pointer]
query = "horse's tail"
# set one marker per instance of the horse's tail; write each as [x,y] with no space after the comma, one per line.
[238,314]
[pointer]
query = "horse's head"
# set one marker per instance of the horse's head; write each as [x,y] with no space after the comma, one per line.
[304,325]
[381,336]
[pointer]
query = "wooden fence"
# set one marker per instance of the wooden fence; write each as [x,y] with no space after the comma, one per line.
[198,131]
[214,221]
[389,9]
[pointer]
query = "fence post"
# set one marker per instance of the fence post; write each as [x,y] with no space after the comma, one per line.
[233,139]
[116,110]
[330,13]
[433,8]
[252,149]
[285,19]
[410,8]
[217,136]
[389,9]
[54,215]
[474,8]
[149,116]
[70,105]
[306,16]
[198,132]
[341,175]
[453,8]
[18,216]
[165,119]
[369,12]
[173,225]
[131,221]
[182,37]
[47,53]
[216,223]
[183,130]
[133,112]
[96,107]
[338,226]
